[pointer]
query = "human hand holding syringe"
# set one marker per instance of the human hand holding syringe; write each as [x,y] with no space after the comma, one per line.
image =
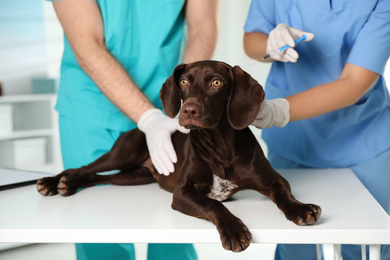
[284,35]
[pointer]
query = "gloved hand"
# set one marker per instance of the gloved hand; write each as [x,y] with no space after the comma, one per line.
[158,129]
[275,112]
[282,35]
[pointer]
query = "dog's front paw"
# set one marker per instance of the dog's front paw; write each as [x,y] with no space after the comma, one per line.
[304,214]
[48,186]
[67,185]
[235,236]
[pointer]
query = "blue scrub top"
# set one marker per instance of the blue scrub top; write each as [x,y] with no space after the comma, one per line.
[145,36]
[348,31]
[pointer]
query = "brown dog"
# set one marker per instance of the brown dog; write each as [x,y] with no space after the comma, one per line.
[219,157]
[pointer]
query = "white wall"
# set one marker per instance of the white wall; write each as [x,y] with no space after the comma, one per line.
[230,48]
[30,43]
[22,44]
[54,40]
[387,74]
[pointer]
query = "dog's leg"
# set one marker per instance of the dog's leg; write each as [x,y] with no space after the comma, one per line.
[296,211]
[233,232]
[278,189]
[69,181]
[129,155]
[69,184]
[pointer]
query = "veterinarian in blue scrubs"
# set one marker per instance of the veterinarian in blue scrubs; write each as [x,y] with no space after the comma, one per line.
[117,56]
[328,97]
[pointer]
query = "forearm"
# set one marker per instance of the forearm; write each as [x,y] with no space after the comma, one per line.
[321,99]
[83,26]
[200,45]
[113,81]
[346,91]
[202,21]
[255,45]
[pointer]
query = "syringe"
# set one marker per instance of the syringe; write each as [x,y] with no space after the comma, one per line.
[283,48]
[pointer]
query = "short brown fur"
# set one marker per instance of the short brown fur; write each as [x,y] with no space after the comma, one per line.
[219,144]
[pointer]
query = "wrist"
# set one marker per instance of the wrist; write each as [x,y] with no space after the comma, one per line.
[283,112]
[147,117]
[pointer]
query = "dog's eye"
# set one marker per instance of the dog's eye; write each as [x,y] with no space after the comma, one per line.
[217,83]
[183,82]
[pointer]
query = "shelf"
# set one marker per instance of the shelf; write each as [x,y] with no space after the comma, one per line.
[33,116]
[5,246]
[27,134]
[52,168]
[27,98]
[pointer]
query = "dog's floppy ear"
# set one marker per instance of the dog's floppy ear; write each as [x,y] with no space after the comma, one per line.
[246,97]
[170,93]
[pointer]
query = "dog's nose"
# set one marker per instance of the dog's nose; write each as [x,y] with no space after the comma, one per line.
[191,111]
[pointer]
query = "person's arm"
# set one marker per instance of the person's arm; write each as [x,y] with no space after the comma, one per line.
[202,20]
[353,83]
[83,27]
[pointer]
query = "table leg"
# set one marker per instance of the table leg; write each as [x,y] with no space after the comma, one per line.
[337,252]
[318,252]
[364,252]
[332,251]
[375,252]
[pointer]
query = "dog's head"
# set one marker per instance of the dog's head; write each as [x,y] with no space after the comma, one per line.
[210,91]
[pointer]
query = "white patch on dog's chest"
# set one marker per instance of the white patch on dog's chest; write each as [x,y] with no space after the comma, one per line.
[221,189]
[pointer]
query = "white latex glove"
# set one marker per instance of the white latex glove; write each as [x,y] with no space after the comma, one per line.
[275,112]
[282,35]
[158,129]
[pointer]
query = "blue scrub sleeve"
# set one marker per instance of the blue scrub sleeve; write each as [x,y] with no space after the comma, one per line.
[371,49]
[261,17]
